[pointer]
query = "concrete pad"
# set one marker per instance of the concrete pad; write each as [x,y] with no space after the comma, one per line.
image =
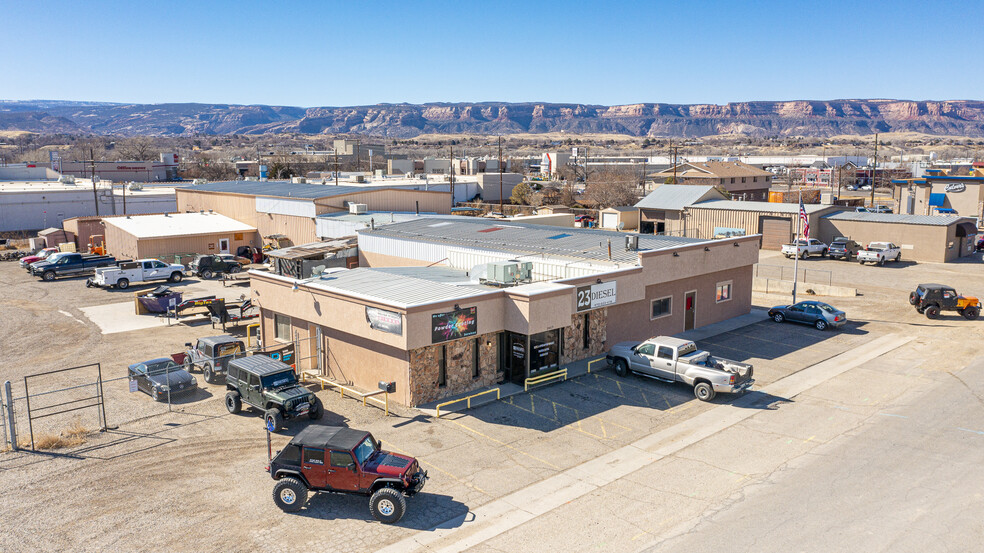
[120,317]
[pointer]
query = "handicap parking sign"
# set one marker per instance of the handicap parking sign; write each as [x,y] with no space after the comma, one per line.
[269,426]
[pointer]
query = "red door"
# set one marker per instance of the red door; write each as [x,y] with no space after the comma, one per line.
[313,467]
[343,474]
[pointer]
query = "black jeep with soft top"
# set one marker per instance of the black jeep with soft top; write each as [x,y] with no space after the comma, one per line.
[272,387]
[334,459]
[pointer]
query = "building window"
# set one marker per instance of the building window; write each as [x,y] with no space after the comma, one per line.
[661,307]
[723,292]
[755,179]
[281,327]
[586,336]
[743,179]
[476,356]
[767,179]
[732,180]
[442,367]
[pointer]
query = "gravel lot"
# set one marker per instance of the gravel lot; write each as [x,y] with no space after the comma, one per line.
[193,479]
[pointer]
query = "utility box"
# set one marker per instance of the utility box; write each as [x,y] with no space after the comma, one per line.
[508,273]
[358,209]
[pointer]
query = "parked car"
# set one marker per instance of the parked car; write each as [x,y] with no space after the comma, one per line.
[70,264]
[206,266]
[229,258]
[815,313]
[212,354]
[332,459]
[931,299]
[144,270]
[804,249]
[843,248]
[676,360]
[159,377]
[271,386]
[43,253]
[880,252]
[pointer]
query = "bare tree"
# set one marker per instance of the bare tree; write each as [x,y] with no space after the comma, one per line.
[611,187]
[138,148]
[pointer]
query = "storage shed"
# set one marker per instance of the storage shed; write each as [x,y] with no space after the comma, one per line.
[662,210]
[169,234]
[937,238]
[620,218]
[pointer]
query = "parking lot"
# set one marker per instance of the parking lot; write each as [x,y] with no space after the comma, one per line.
[193,478]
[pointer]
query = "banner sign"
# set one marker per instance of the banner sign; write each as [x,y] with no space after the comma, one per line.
[596,295]
[383,320]
[452,325]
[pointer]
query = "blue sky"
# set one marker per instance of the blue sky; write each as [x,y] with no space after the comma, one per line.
[606,52]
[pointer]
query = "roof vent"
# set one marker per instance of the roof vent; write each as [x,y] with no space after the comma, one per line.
[210,211]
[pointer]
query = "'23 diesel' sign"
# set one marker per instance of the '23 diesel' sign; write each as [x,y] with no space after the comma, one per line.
[595,296]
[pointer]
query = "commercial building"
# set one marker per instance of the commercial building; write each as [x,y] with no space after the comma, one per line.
[937,238]
[741,181]
[166,169]
[291,209]
[176,234]
[662,211]
[937,193]
[775,222]
[445,306]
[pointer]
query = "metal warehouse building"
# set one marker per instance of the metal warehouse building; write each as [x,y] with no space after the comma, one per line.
[776,222]
[432,309]
[291,209]
[938,238]
[167,235]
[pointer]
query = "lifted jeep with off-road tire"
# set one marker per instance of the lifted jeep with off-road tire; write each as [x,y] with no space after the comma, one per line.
[271,387]
[931,299]
[333,459]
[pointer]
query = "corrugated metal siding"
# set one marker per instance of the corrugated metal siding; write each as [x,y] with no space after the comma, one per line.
[328,228]
[165,247]
[544,268]
[281,206]
[390,200]
[701,222]
[407,249]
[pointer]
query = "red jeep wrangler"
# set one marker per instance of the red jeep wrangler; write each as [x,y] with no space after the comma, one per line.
[332,459]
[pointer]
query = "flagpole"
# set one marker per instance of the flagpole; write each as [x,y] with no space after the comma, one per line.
[796,258]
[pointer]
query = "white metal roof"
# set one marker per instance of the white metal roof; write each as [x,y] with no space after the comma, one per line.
[177,224]
[674,197]
[774,207]
[901,218]
[401,286]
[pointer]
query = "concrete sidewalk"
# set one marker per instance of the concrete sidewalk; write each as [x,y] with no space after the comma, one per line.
[584,366]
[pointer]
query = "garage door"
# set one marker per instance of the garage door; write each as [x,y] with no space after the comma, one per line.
[609,220]
[776,231]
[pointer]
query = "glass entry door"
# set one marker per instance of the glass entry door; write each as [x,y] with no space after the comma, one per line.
[544,352]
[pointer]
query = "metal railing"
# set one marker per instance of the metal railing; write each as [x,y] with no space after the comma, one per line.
[558,374]
[364,396]
[468,399]
[593,361]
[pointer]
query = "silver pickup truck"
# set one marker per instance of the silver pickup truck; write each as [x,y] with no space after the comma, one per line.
[675,360]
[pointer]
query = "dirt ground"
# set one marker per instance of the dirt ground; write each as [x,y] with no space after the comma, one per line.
[193,479]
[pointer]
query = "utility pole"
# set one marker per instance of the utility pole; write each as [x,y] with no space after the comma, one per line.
[358,154]
[451,170]
[92,165]
[336,166]
[675,158]
[500,175]
[874,172]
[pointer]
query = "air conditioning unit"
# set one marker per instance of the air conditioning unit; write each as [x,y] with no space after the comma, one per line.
[631,242]
[359,178]
[196,182]
[135,186]
[298,180]
[508,273]
[358,209]
[66,179]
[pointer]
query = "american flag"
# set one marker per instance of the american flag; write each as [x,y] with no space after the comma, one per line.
[805,220]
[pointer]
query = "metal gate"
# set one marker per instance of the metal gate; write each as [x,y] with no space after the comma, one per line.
[50,403]
[776,231]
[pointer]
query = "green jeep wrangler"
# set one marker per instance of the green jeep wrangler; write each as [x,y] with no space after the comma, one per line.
[272,387]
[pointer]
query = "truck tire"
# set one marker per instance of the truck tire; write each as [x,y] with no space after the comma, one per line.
[88,283]
[621,367]
[48,276]
[317,410]
[881,261]
[861,261]
[821,325]
[932,312]
[970,313]
[704,391]
[175,277]
[208,373]
[234,404]
[898,257]
[273,415]
[123,284]
[235,269]
[804,255]
[913,298]
[206,274]
[387,505]
[290,494]
[824,253]
[778,317]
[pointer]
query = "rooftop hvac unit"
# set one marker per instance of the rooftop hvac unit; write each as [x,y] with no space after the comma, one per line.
[508,273]
[358,209]
[135,186]
[66,179]
[199,181]
[298,180]
[631,242]
[359,178]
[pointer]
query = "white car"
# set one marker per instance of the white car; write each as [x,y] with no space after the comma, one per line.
[880,252]
[143,270]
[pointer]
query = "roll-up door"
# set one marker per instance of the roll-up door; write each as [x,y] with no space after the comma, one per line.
[776,231]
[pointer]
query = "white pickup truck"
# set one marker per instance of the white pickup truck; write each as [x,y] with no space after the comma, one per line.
[143,270]
[805,248]
[880,252]
[675,360]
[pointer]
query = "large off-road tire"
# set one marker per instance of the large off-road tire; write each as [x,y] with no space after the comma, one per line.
[206,274]
[387,505]
[821,324]
[274,416]
[932,312]
[48,276]
[234,403]
[913,298]
[176,277]
[970,313]
[317,409]
[621,367]
[778,317]
[208,373]
[235,269]
[123,283]
[290,494]
[704,391]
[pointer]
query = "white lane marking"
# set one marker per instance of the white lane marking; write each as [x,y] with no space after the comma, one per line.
[70,316]
[971,431]
[510,511]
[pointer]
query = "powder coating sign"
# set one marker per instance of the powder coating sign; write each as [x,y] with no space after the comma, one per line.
[452,325]
[596,295]
[386,321]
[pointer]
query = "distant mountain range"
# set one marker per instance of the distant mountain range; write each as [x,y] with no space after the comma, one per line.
[756,119]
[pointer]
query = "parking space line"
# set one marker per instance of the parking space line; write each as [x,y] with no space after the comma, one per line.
[577,415]
[437,468]
[500,442]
